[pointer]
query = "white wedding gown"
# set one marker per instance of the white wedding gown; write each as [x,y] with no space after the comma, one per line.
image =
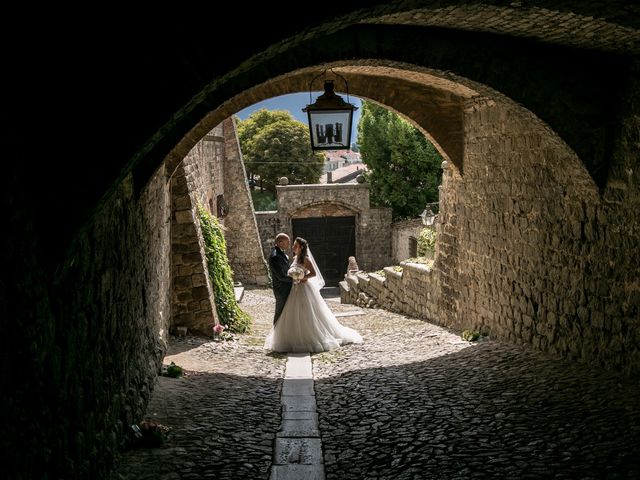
[308,325]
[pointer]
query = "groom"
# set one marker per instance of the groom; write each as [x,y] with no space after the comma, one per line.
[279,265]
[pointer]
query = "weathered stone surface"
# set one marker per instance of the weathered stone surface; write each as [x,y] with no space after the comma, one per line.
[243,241]
[224,413]
[511,257]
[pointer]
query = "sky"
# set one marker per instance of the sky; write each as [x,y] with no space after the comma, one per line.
[295,102]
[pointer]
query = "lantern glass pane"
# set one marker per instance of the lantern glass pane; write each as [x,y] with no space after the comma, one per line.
[330,130]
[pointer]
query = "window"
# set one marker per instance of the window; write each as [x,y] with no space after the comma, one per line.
[222,209]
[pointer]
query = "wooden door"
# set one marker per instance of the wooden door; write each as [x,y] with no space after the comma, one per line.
[332,241]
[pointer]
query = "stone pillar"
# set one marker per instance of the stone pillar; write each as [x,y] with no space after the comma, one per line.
[192,296]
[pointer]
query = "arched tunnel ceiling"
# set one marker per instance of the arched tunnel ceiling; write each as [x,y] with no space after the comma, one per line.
[147,83]
[547,24]
[570,25]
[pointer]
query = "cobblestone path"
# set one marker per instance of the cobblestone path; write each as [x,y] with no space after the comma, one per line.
[413,402]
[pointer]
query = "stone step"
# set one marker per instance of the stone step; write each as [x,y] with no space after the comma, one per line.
[239,291]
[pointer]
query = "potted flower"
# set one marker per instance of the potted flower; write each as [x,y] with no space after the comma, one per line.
[217,331]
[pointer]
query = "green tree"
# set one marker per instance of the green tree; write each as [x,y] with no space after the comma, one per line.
[276,145]
[404,167]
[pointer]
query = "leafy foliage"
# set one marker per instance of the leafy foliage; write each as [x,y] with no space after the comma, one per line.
[263,201]
[229,313]
[173,371]
[276,145]
[470,335]
[404,167]
[426,242]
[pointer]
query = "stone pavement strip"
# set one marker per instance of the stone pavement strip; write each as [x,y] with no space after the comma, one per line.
[413,401]
[298,449]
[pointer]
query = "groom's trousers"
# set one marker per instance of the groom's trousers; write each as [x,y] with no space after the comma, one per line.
[280,301]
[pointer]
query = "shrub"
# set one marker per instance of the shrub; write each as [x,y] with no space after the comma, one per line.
[426,242]
[173,371]
[470,335]
[263,201]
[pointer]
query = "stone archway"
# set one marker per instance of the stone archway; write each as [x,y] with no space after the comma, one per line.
[505,163]
[545,204]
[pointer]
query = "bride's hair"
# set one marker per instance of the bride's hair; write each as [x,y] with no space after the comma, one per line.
[303,249]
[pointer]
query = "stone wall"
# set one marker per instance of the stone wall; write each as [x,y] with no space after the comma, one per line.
[193,184]
[531,234]
[96,349]
[85,257]
[373,239]
[401,232]
[192,294]
[212,175]
[243,241]
[212,147]
[528,249]
[410,291]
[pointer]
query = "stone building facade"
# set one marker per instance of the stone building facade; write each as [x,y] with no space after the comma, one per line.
[193,303]
[243,241]
[372,225]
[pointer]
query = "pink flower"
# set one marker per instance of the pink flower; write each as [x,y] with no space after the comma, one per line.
[218,328]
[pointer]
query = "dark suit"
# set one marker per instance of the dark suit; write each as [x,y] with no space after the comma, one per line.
[279,265]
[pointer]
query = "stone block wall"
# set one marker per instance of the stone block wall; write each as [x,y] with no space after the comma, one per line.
[269,225]
[192,293]
[411,291]
[212,148]
[98,346]
[217,180]
[529,251]
[293,198]
[373,239]
[243,240]
[536,243]
[212,175]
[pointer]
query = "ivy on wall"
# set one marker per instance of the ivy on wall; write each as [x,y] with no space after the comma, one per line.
[221,275]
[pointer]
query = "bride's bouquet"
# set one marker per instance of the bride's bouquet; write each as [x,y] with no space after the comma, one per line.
[297,272]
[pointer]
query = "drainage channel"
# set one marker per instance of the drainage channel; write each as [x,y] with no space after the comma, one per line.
[298,449]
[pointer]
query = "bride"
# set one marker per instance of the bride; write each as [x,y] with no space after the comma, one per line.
[306,323]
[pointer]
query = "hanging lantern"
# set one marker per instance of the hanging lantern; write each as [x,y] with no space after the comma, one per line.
[330,120]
